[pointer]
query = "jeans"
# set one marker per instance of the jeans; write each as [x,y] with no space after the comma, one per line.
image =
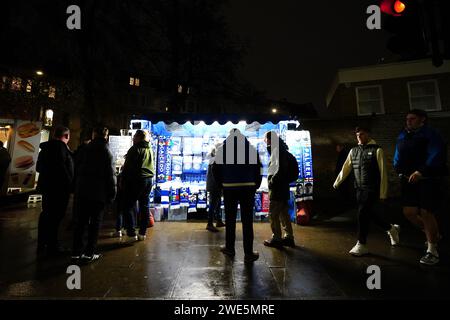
[246,198]
[140,192]
[54,206]
[215,198]
[366,202]
[89,214]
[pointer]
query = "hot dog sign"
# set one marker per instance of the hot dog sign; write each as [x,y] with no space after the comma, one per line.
[25,153]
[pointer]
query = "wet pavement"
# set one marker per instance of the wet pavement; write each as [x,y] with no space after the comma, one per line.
[181,260]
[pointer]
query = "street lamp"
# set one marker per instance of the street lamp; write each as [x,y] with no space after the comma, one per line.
[39,73]
[274,110]
[48,118]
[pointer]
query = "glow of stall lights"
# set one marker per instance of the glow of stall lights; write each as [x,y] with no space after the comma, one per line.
[49,114]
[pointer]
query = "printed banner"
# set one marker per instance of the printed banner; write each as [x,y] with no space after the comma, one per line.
[25,154]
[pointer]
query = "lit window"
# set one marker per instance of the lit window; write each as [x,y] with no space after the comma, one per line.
[4,81]
[29,85]
[136,82]
[424,95]
[52,92]
[131,81]
[16,84]
[369,100]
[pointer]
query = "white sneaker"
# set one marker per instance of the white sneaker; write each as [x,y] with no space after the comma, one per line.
[142,237]
[359,250]
[117,234]
[394,234]
[429,259]
[132,239]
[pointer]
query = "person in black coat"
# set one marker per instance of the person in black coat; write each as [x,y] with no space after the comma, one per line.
[215,196]
[95,188]
[55,183]
[237,168]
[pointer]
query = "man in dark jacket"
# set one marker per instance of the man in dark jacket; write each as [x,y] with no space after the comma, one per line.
[55,183]
[368,164]
[279,192]
[136,183]
[420,161]
[215,195]
[238,169]
[5,160]
[95,188]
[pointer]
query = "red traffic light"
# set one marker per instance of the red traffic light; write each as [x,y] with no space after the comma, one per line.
[393,7]
[399,7]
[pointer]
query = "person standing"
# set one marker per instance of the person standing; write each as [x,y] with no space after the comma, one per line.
[279,192]
[420,161]
[215,196]
[5,160]
[136,184]
[371,183]
[237,168]
[95,188]
[56,172]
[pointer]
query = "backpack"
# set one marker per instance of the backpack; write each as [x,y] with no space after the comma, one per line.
[292,171]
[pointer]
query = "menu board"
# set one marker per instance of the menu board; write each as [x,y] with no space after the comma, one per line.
[119,146]
[25,154]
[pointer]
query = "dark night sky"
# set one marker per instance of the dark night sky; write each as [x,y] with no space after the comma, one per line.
[296,46]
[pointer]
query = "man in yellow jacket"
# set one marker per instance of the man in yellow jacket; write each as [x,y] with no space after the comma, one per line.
[371,183]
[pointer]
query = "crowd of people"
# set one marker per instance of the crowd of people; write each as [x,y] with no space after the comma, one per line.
[235,171]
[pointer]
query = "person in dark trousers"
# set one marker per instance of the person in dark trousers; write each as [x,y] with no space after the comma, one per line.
[215,196]
[5,160]
[136,183]
[95,188]
[86,138]
[55,183]
[237,168]
[279,192]
[420,160]
[371,182]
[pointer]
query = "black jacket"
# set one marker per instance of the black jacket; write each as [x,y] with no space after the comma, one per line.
[232,174]
[96,180]
[55,167]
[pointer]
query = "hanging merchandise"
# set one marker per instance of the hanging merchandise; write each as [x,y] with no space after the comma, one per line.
[165,195]
[197,146]
[258,204]
[192,203]
[183,155]
[177,165]
[184,196]
[175,146]
[201,199]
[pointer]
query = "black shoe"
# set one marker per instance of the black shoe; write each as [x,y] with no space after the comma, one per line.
[249,258]
[288,242]
[211,228]
[90,258]
[220,224]
[227,252]
[273,243]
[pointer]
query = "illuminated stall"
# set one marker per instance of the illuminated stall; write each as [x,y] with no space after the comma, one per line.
[182,158]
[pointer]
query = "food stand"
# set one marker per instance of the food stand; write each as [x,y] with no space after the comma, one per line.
[181,150]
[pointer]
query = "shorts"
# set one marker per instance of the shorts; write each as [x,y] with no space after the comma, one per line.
[425,194]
